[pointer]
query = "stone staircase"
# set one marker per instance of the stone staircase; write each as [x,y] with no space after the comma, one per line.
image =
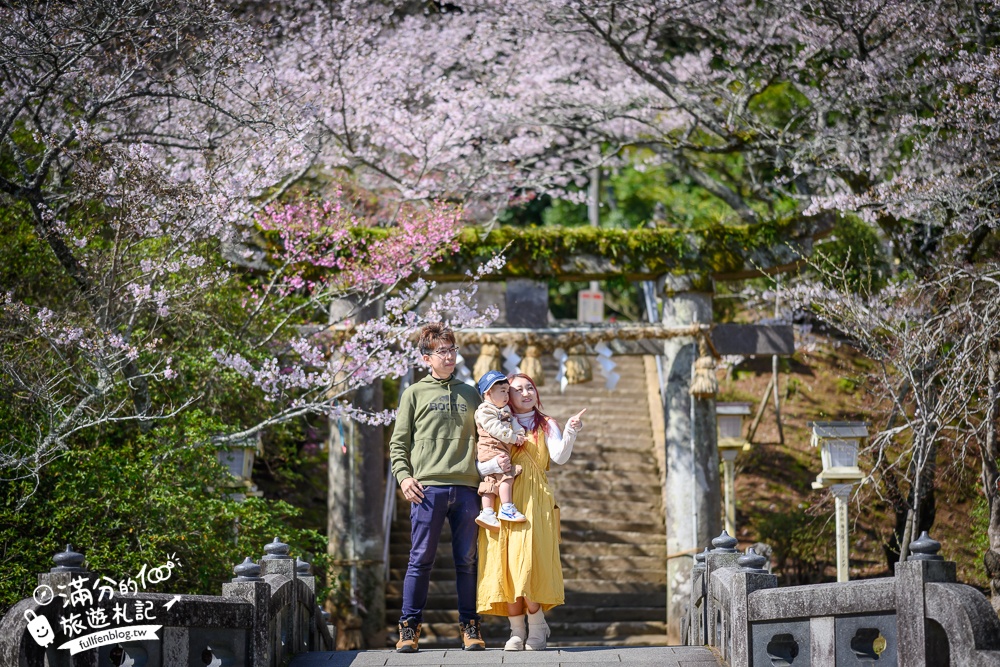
[613,535]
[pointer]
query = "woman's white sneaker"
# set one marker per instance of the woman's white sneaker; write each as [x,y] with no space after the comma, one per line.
[518,631]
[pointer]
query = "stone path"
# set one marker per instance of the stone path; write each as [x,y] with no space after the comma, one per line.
[662,656]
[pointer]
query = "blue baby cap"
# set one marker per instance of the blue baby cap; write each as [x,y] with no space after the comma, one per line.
[490,379]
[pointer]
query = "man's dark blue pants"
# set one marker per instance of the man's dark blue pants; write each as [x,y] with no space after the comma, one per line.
[460,506]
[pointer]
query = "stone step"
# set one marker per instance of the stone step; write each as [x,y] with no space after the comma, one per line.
[573,533]
[597,525]
[622,467]
[609,443]
[598,428]
[609,537]
[596,454]
[624,476]
[658,576]
[399,558]
[607,481]
[636,501]
[573,521]
[573,587]
[606,599]
[586,511]
[585,506]
[636,568]
[566,404]
[583,511]
[620,576]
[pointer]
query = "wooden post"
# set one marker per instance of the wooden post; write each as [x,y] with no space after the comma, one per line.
[760,411]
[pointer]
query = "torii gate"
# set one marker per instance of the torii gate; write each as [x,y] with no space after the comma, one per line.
[358,524]
[692,494]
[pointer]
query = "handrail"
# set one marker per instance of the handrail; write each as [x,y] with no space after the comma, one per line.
[388,511]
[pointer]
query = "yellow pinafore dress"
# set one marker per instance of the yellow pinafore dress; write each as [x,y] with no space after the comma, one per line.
[522,559]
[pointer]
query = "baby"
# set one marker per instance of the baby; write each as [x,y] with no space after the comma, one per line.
[498,431]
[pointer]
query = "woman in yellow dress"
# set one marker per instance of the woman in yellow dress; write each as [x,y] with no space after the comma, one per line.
[519,567]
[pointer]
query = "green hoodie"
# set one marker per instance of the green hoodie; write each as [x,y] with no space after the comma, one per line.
[434,439]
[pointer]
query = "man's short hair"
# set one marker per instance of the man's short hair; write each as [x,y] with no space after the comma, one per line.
[433,335]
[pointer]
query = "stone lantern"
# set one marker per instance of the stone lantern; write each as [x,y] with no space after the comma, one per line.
[839,443]
[729,420]
[238,459]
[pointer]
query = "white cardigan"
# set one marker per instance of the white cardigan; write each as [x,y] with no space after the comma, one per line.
[560,445]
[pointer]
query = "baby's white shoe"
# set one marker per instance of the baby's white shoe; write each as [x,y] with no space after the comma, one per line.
[508,512]
[488,519]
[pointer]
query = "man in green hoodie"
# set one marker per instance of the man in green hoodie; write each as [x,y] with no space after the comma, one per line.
[433,453]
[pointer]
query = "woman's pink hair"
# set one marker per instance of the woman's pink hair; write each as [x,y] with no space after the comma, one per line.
[541,418]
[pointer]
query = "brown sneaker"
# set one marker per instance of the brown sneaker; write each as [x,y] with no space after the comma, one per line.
[409,636]
[472,638]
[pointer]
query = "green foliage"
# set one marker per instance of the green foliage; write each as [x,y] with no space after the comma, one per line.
[780,105]
[540,252]
[852,257]
[979,533]
[25,259]
[801,543]
[126,497]
[847,385]
[126,500]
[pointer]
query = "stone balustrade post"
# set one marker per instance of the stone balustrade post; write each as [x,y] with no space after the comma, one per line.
[722,555]
[697,607]
[248,585]
[303,571]
[922,566]
[751,577]
[68,566]
[276,561]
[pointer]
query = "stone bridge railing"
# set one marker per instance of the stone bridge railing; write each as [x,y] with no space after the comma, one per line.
[267,613]
[918,617]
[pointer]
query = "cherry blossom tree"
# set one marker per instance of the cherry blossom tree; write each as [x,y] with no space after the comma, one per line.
[142,140]
[144,146]
[770,107]
[882,110]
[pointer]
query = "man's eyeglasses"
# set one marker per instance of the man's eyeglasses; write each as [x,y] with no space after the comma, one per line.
[444,352]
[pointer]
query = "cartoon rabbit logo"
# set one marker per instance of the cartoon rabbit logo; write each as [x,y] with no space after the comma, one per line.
[39,628]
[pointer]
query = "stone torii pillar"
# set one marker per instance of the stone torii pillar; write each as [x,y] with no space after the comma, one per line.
[355,495]
[692,495]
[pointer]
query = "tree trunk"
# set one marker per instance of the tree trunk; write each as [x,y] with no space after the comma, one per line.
[991,477]
[922,500]
[900,505]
